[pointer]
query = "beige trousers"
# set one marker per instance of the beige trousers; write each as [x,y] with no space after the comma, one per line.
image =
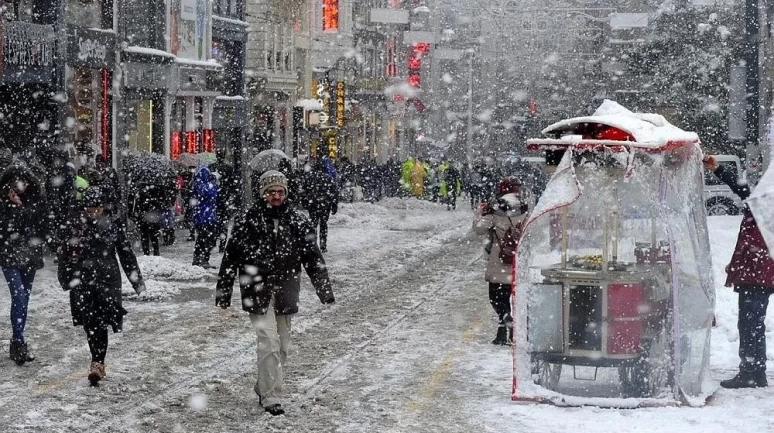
[273,334]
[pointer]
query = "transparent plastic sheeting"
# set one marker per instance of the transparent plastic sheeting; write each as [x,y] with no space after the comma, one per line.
[614,298]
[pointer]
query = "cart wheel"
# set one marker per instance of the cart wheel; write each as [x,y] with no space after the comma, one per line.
[548,375]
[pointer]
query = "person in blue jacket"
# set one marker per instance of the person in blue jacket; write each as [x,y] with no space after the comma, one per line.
[205,216]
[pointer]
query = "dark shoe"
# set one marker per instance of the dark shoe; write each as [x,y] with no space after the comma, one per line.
[96,373]
[206,265]
[746,380]
[502,336]
[20,353]
[275,409]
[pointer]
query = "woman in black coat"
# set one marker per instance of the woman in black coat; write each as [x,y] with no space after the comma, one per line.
[22,236]
[88,268]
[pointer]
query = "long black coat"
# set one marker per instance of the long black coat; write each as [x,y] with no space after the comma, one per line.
[89,268]
[267,250]
[321,194]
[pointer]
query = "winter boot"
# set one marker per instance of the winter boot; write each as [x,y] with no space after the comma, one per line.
[745,379]
[96,373]
[502,336]
[20,353]
[275,409]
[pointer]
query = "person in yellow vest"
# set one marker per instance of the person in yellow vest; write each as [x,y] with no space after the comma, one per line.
[405,174]
[417,179]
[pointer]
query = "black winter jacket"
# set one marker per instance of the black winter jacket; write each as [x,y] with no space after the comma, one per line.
[267,250]
[89,266]
[22,234]
[320,193]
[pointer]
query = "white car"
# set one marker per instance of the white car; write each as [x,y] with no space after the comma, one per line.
[718,197]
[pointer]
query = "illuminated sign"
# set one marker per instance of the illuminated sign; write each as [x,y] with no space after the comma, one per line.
[418,50]
[340,97]
[330,12]
[323,96]
[332,150]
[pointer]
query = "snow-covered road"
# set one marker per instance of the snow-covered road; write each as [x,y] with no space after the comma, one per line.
[404,349]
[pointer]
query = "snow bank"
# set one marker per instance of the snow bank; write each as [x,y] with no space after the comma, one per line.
[162,268]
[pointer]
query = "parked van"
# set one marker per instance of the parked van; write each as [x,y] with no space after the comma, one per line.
[718,197]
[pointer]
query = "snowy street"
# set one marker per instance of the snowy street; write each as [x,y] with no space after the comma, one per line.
[405,348]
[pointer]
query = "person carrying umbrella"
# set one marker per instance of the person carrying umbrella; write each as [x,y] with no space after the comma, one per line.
[751,272]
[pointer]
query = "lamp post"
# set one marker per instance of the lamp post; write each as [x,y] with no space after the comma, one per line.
[752,84]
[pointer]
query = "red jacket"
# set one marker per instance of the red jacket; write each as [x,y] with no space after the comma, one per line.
[751,264]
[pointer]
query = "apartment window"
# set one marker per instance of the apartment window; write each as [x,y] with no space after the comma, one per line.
[288,62]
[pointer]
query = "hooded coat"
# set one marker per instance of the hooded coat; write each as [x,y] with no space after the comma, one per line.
[267,250]
[494,223]
[205,194]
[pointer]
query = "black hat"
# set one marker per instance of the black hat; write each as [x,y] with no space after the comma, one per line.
[92,197]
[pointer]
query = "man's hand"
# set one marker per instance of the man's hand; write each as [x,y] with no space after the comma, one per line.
[14,197]
[140,287]
[710,162]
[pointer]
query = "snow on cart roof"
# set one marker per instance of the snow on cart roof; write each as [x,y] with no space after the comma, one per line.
[611,124]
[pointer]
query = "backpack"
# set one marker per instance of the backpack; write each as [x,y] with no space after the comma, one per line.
[509,242]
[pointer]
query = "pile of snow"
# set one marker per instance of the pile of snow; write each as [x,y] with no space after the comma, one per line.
[162,268]
[381,215]
[154,291]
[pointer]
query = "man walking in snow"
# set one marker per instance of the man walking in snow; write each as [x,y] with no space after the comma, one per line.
[269,245]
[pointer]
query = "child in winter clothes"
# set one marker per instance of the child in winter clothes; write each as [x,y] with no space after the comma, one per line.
[88,268]
[502,222]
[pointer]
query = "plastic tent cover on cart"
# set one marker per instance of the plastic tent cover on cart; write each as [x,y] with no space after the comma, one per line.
[613,297]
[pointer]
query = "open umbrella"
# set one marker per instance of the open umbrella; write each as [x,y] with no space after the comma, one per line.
[196,159]
[268,160]
[148,168]
[761,203]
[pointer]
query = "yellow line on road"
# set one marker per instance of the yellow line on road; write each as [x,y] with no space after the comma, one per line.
[51,385]
[430,387]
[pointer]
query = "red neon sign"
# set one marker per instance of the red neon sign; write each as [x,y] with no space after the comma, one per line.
[330,11]
[418,50]
[105,113]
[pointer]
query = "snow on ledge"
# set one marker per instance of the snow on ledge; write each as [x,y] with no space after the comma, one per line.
[230,98]
[309,104]
[148,51]
[211,63]
[231,21]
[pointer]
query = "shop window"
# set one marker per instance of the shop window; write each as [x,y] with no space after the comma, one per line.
[141,127]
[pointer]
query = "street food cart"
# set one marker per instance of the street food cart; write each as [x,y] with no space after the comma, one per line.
[613,295]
